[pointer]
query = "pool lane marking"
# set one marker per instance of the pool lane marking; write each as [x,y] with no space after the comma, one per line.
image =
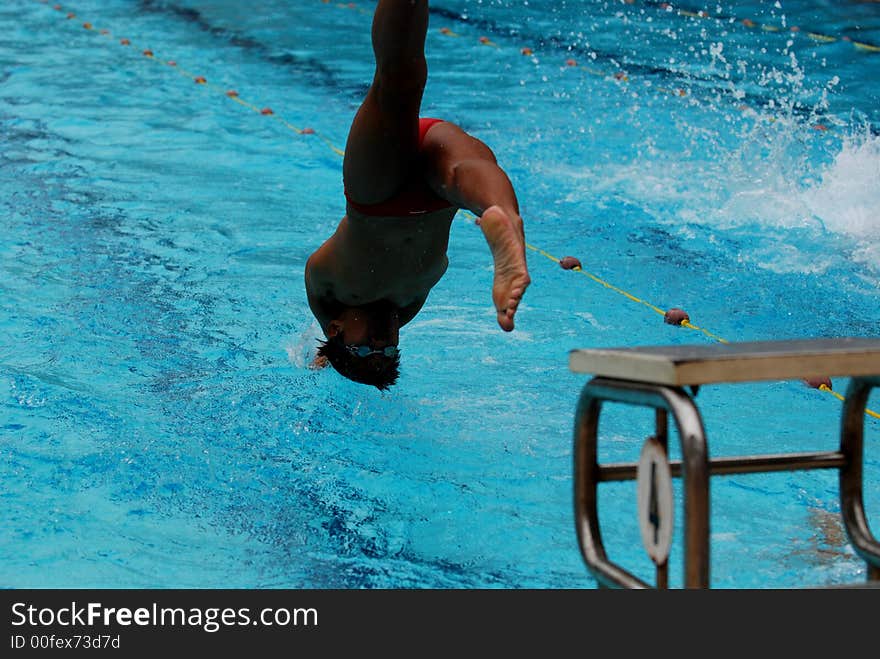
[348,5]
[749,23]
[619,75]
[202,81]
[231,94]
[680,11]
[265,111]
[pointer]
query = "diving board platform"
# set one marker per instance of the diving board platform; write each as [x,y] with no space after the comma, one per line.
[732,362]
[655,377]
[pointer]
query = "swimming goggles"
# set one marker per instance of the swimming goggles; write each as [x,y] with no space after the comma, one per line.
[366,351]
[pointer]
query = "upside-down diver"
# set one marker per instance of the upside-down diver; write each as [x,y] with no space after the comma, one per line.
[404,178]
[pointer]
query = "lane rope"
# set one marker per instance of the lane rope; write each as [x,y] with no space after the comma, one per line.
[766,27]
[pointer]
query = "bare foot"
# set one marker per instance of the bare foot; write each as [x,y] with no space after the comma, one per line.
[504,233]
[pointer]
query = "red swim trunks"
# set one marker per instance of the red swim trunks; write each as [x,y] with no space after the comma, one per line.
[414,199]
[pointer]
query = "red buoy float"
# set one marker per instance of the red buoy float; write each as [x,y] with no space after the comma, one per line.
[676,316]
[817,381]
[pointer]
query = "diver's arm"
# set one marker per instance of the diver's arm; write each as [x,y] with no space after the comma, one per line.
[463,170]
[319,289]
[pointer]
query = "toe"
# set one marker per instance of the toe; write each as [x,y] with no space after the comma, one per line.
[505,320]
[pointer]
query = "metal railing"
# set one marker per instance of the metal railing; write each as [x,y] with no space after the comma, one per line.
[695,469]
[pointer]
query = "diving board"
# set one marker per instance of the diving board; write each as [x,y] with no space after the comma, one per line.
[732,362]
[655,377]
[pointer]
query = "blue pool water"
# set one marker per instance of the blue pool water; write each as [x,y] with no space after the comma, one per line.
[158,424]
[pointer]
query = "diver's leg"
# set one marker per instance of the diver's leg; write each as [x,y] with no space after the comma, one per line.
[383,140]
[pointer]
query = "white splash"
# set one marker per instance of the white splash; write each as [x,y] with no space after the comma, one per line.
[769,181]
[847,197]
[301,349]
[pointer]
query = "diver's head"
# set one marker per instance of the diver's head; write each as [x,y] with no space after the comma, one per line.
[362,344]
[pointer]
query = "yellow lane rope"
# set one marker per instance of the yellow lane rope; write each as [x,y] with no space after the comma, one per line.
[827,389]
[669,7]
[616,289]
[685,323]
[622,76]
[748,22]
[269,113]
[230,94]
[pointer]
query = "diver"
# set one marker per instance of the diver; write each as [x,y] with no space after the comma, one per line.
[404,178]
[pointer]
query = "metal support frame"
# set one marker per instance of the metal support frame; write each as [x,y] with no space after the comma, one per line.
[852,434]
[694,472]
[695,469]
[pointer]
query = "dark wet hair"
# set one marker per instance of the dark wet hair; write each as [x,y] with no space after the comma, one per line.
[377,370]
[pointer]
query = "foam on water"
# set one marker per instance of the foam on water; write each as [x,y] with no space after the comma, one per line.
[767,183]
[847,195]
[785,191]
[302,348]
[765,154]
